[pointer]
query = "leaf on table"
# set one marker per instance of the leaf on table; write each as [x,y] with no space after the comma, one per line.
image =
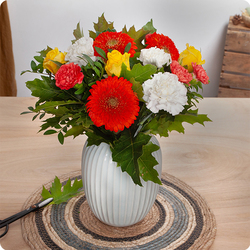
[60,194]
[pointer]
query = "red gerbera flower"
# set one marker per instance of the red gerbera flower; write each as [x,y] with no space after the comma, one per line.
[113,103]
[200,73]
[182,73]
[114,41]
[68,75]
[162,42]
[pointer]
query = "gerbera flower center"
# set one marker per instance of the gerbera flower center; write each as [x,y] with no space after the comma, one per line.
[112,42]
[166,50]
[113,102]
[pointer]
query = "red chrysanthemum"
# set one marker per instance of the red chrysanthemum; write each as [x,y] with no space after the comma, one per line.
[114,41]
[162,42]
[182,73]
[200,73]
[68,75]
[113,103]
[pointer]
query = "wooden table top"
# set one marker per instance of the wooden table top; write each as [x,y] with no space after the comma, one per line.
[214,160]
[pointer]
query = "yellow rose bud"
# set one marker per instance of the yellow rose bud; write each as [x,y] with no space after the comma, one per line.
[53,55]
[189,55]
[114,63]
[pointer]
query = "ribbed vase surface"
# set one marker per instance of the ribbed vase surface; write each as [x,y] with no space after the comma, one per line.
[111,194]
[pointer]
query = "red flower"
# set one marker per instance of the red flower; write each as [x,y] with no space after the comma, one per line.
[114,41]
[162,42]
[200,73]
[68,75]
[113,103]
[182,73]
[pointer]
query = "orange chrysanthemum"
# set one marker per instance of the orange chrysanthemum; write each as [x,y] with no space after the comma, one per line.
[114,41]
[162,42]
[113,103]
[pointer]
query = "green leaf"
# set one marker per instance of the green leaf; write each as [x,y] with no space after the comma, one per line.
[101,26]
[138,36]
[34,117]
[61,138]
[46,194]
[159,124]
[78,33]
[39,59]
[26,112]
[126,152]
[60,196]
[50,122]
[137,88]
[50,132]
[101,52]
[42,89]
[85,120]
[147,162]
[140,73]
[192,117]
[75,131]
[127,48]
[95,139]
[44,52]
[25,71]
[30,108]
[33,65]
[149,27]
[56,107]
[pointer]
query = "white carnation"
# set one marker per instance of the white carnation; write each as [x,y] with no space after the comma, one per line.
[165,92]
[155,56]
[81,46]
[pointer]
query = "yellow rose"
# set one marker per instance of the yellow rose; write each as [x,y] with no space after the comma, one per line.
[189,55]
[114,63]
[54,55]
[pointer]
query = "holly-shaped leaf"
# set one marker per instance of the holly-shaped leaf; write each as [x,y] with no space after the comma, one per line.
[126,152]
[75,131]
[139,72]
[147,162]
[149,27]
[192,117]
[138,36]
[78,33]
[137,88]
[101,26]
[60,195]
[159,125]
[55,107]
[42,89]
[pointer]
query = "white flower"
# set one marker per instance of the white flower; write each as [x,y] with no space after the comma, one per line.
[164,91]
[81,46]
[155,56]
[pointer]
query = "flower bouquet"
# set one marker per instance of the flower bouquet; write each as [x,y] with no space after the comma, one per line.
[119,88]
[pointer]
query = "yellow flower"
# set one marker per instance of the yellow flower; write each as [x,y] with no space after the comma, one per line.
[189,55]
[53,55]
[114,63]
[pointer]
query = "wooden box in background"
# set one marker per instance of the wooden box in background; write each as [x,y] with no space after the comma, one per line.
[235,75]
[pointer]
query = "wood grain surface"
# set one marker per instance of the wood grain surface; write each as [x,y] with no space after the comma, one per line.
[214,160]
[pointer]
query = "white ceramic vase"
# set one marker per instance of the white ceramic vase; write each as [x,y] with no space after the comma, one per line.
[111,194]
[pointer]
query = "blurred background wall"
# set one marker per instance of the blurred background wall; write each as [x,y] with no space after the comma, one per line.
[202,24]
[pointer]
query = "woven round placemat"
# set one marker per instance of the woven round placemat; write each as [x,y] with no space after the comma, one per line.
[179,219]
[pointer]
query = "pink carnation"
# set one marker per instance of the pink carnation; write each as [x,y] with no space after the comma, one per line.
[68,76]
[182,73]
[200,73]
